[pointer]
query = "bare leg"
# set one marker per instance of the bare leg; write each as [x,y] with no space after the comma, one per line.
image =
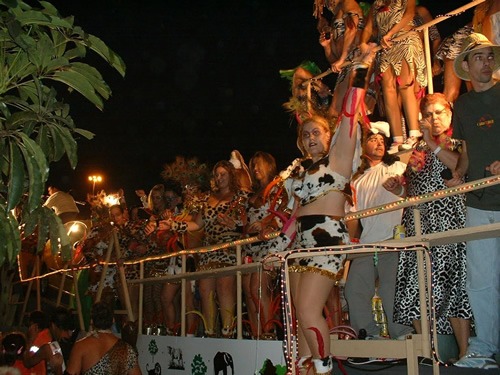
[261,295]
[208,309]
[167,297]
[226,295]
[251,306]
[191,319]
[461,329]
[313,291]
[133,291]
[304,350]
[338,97]
[451,82]
[410,103]
[391,105]
[418,326]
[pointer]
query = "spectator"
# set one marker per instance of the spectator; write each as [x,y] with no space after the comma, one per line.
[13,347]
[38,335]
[476,121]
[101,352]
[54,353]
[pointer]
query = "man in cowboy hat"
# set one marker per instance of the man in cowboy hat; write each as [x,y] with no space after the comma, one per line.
[476,120]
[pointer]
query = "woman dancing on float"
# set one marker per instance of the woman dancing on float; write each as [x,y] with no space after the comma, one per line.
[321,196]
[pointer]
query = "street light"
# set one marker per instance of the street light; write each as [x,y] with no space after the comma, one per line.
[94,179]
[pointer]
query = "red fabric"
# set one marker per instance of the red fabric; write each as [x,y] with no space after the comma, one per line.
[20,366]
[321,344]
[42,338]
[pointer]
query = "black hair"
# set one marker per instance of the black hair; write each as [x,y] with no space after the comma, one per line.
[14,345]
[40,319]
[102,315]
[63,319]
[388,159]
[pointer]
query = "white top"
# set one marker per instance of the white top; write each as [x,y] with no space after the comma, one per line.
[369,192]
[61,203]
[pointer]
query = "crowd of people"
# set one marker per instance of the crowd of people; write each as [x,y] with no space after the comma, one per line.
[349,162]
[54,346]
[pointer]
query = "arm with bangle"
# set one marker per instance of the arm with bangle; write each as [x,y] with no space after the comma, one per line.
[179,226]
[447,157]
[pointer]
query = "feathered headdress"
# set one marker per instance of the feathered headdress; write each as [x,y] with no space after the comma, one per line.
[187,172]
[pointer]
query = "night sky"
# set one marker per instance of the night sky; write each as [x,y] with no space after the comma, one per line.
[202,79]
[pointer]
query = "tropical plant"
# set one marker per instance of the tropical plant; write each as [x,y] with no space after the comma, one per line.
[41,61]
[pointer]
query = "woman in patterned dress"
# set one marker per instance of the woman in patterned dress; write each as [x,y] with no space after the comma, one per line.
[447,52]
[339,38]
[134,243]
[257,285]
[426,172]
[222,217]
[400,64]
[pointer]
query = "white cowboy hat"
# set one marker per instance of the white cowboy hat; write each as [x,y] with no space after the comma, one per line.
[474,42]
[380,127]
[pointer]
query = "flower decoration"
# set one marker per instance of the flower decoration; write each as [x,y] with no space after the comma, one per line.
[417,160]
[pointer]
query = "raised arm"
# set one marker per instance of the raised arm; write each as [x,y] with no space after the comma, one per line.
[345,138]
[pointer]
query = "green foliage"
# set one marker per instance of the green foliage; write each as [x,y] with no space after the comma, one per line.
[40,52]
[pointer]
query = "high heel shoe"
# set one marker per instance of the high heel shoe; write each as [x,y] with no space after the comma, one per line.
[227,332]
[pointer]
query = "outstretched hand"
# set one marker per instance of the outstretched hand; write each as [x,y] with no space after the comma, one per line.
[494,168]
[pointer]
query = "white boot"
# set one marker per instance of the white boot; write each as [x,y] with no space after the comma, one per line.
[323,366]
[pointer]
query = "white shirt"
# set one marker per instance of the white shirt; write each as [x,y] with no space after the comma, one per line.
[369,192]
[61,202]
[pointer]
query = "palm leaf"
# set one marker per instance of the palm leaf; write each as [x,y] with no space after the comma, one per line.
[16,174]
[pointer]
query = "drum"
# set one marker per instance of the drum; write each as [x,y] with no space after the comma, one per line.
[77,232]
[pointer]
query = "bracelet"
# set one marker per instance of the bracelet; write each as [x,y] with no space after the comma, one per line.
[401,191]
[178,226]
[437,150]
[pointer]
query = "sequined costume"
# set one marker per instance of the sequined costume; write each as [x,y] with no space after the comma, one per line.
[216,233]
[94,249]
[133,244]
[258,210]
[409,48]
